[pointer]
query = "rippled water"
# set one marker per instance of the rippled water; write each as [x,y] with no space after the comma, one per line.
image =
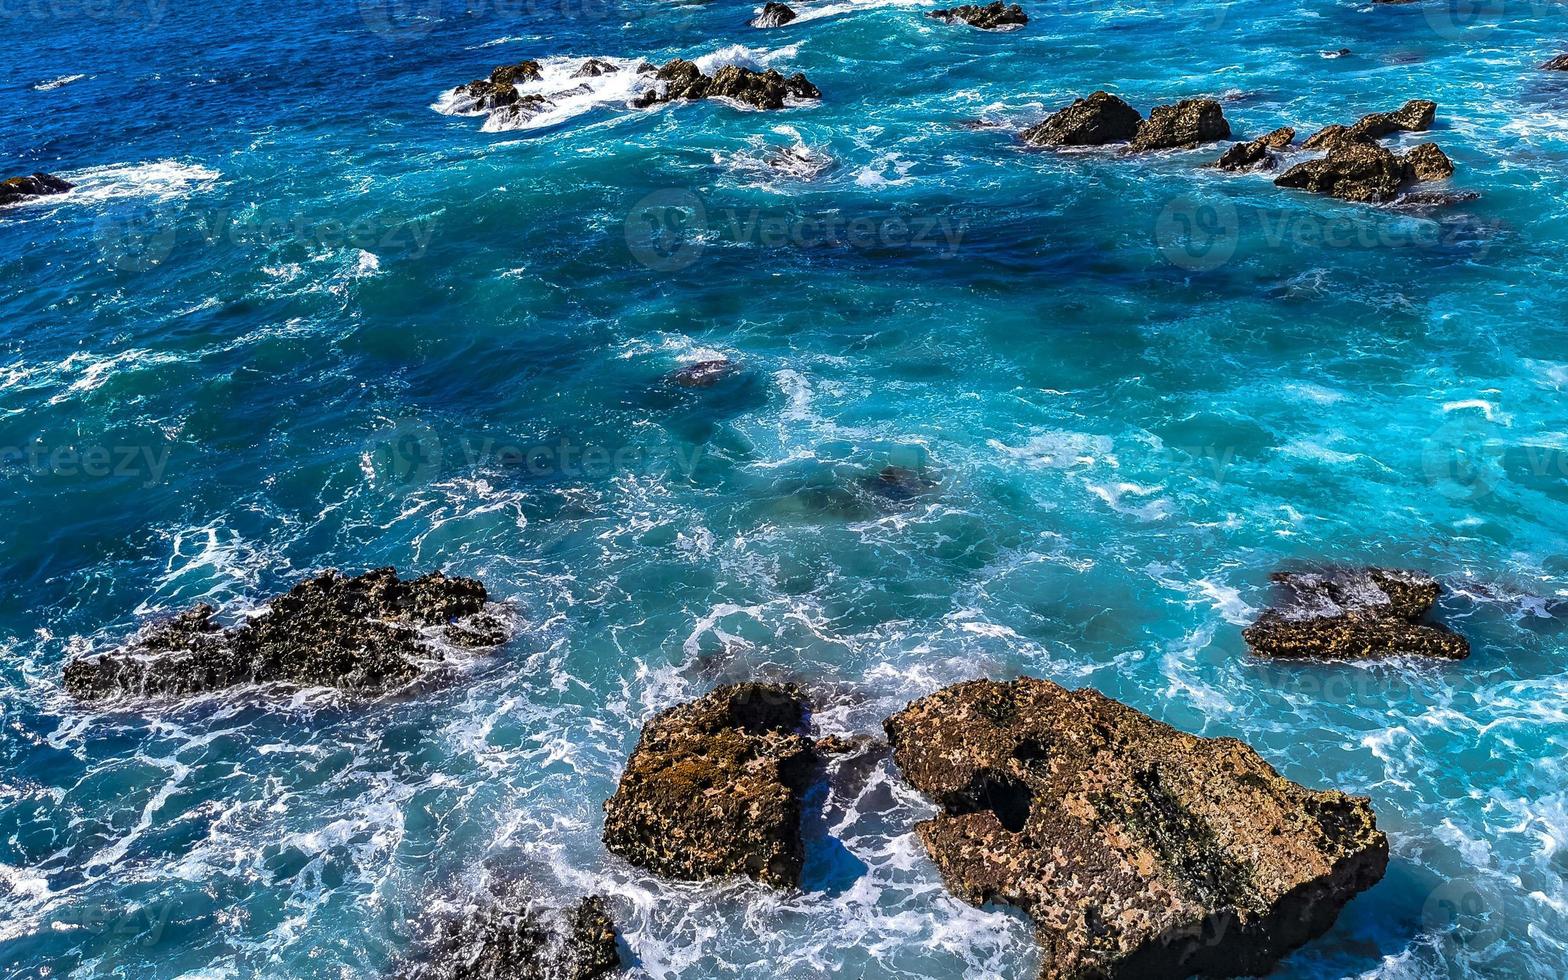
[295,318]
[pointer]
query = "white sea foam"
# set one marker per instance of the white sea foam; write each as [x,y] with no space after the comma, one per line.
[158,180]
[55,83]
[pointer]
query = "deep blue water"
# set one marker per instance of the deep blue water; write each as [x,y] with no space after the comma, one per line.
[296,318]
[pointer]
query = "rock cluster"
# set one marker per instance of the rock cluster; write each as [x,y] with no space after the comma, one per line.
[1256,154]
[500,89]
[1103,119]
[996,16]
[715,788]
[365,633]
[773,15]
[522,944]
[703,374]
[1138,850]
[1559,63]
[1354,614]
[1358,168]
[681,79]
[16,189]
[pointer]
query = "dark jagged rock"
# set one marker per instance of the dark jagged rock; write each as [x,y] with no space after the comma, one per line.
[996,16]
[1426,162]
[800,162]
[500,89]
[593,68]
[1559,63]
[1100,119]
[1352,171]
[1354,614]
[1183,126]
[1433,200]
[1415,116]
[17,189]
[703,374]
[1256,154]
[521,109]
[714,788]
[773,15]
[765,90]
[520,943]
[361,634]
[1140,851]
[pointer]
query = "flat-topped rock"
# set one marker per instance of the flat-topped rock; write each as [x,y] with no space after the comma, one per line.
[1098,120]
[1138,850]
[368,633]
[1353,614]
[715,787]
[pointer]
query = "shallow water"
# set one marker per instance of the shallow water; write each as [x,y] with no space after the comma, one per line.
[295,318]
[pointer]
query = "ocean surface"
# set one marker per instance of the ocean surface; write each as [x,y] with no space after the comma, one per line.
[297,317]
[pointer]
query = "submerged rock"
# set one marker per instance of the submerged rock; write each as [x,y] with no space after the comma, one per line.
[996,16]
[1098,120]
[703,374]
[521,943]
[1354,614]
[715,786]
[773,15]
[1139,850]
[500,89]
[15,189]
[362,634]
[764,90]
[900,483]
[1256,154]
[1183,126]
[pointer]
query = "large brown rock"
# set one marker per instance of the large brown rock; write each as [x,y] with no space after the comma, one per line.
[1415,116]
[714,788]
[996,16]
[366,633]
[1098,120]
[1353,614]
[514,941]
[1427,162]
[15,189]
[680,79]
[1352,171]
[1183,126]
[1256,154]
[1140,851]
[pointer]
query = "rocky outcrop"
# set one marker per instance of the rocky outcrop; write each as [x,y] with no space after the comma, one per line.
[703,374]
[1183,126]
[773,15]
[1098,120]
[714,788]
[996,16]
[500,89]
[368,633]
[1352,171]
[17,189]
[520,110]
[1426,162]
[681,79]
[1415,116]
[1559,63]
[1256,154]
[1140,851]
[521,943]
[1354,614]
[593,68]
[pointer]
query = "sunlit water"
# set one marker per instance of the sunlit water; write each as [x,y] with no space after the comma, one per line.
[294,317]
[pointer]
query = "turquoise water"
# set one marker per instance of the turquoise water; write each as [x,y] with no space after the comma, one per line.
[294,317]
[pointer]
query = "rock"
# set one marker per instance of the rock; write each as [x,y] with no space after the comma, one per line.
[520,110]
[1183,126]
[715,786]
[593,68]
[773,15]
[1433,200]
[1255,154]
[1140,851]
[520,943]
[1352,171]
[703,374]
[1415,116]
[1100,119]
[1426,162]
[799,162]
[1354,614]
[500,89]
[990,17]
[900,483]
[1559,63]
[764,90]
[365,633]
[1341,53]
[16,189]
